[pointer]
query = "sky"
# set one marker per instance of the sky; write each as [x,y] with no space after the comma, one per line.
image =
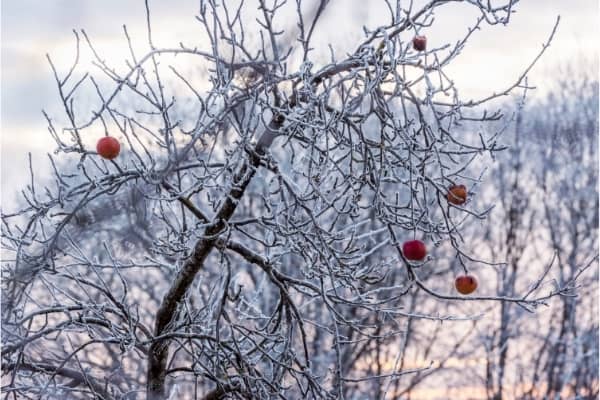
[32,28]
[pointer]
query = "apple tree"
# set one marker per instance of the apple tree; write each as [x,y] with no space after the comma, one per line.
[245,238]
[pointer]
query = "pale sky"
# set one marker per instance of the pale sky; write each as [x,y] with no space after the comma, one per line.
[492,60]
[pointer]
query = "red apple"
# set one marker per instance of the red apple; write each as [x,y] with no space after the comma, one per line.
[414,250]
[465,284]
[420,43]
[457,194]
[108,147]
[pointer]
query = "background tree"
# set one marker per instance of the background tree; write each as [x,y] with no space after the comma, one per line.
[549,205]
[247,241]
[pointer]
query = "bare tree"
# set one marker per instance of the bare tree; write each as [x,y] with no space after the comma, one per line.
[546,187]
[247,242]
[569,180]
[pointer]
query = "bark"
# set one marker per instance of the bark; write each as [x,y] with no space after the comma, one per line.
[159,350]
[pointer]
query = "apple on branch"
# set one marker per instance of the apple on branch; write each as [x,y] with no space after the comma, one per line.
[457,194]
[108,147]
[465,284]
[420,43]
[414,250]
